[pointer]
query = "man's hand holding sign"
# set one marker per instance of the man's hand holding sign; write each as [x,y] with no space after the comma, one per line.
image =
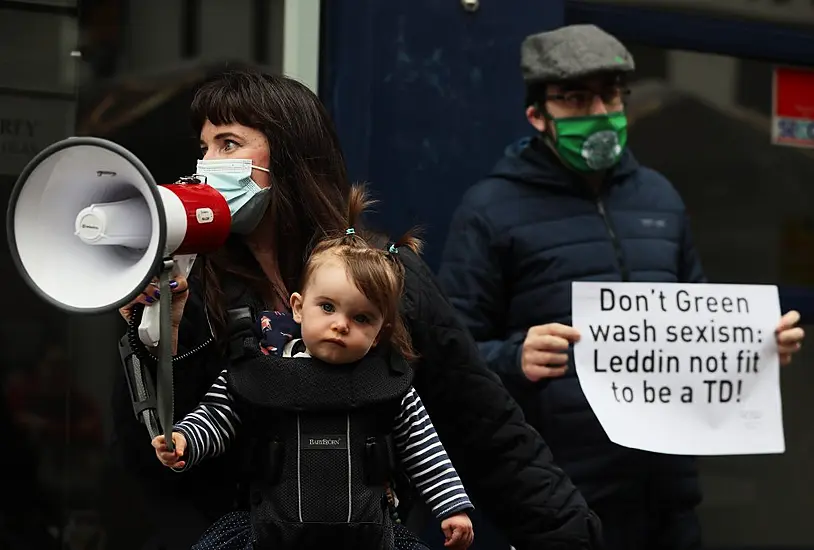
[677,368]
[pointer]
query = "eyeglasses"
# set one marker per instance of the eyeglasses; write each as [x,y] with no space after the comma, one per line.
[612,97]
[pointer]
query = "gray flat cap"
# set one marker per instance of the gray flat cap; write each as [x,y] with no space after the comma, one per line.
[572,52]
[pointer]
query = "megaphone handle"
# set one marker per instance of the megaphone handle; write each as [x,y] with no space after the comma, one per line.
[149,331]
[164,374]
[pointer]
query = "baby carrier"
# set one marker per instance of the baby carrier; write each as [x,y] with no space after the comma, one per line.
[319,450]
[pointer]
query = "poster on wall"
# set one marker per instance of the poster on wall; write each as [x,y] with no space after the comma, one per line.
[793,107]
[28,125]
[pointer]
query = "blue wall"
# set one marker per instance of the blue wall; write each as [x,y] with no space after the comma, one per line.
[426,96]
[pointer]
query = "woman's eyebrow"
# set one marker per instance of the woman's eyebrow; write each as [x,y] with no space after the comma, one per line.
[227,135]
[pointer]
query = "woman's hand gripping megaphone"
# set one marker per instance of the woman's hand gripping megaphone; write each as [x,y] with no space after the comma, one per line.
[149,297]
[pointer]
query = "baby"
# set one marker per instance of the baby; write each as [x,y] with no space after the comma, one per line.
[348,305]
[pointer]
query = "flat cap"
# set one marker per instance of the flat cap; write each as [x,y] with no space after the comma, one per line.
[572,52]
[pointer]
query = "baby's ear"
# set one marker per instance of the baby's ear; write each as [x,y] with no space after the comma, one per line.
[296,307]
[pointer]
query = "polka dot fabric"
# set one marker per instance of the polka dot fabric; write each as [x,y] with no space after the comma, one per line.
[234,532]
[406,540]
[231,532]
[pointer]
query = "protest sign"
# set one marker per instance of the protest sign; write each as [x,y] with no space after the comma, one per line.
[681,368]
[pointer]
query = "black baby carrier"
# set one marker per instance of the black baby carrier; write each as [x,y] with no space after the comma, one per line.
[318,443]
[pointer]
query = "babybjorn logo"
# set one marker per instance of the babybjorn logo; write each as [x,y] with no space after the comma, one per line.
[323,442]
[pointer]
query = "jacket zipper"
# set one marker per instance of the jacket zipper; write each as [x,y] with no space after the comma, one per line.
[617,246]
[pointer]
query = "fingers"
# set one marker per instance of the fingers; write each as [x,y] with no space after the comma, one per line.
[458,531]
[151,294]
[535,373]
[167,457]
[788,349]
[558,330]
[545,359]
[545,351]
[546,342]
[790,337]
[467,537]
[126,312]
[180,443]
[789,320]
[454,536]
[179,284]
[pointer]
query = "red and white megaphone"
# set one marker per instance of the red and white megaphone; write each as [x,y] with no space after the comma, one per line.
[89,228]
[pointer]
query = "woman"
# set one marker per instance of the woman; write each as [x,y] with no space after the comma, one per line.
[284,130]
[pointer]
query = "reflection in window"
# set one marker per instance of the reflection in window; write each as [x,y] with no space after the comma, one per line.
[704,122]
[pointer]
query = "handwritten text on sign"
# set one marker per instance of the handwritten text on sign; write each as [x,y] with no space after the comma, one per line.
[679,368]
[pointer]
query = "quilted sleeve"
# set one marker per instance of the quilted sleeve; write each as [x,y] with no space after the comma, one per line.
[503,462]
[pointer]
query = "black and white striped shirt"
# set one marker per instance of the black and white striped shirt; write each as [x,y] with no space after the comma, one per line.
[211,427]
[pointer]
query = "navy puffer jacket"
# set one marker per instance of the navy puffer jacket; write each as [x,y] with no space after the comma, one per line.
[517,242]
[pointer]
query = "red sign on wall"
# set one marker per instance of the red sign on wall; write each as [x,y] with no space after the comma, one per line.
[793,107]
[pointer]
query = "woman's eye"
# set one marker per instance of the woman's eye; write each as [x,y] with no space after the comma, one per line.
[229,145]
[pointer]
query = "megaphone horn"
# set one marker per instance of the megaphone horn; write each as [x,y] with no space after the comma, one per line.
[89,230]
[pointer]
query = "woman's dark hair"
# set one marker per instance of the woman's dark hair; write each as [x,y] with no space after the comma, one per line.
[309,183]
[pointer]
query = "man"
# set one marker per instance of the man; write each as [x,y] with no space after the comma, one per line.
[566,205]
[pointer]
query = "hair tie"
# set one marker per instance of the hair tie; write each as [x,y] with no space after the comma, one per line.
[393,249]
[350,231]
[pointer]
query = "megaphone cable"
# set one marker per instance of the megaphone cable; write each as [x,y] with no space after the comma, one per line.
[136,360]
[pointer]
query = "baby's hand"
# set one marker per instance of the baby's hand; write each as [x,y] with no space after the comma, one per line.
[167,457]
[458,531]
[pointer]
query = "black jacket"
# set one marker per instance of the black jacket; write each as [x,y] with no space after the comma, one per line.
[503,462]
[518,241]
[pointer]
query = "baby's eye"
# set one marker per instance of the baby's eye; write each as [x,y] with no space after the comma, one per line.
[328,308]
[361,319]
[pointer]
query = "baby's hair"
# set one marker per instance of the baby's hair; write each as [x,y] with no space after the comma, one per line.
[376,272]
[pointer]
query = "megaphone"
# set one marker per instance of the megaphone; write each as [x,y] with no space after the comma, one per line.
[89,229]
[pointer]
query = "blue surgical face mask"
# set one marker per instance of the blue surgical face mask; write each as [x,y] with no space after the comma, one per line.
[233,179]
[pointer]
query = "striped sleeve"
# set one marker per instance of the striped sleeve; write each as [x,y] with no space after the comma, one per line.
[425,460]
[211,427]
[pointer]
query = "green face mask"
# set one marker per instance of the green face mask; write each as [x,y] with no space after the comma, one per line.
[591,143]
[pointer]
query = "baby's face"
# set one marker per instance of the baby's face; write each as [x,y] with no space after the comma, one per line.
[339,324]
